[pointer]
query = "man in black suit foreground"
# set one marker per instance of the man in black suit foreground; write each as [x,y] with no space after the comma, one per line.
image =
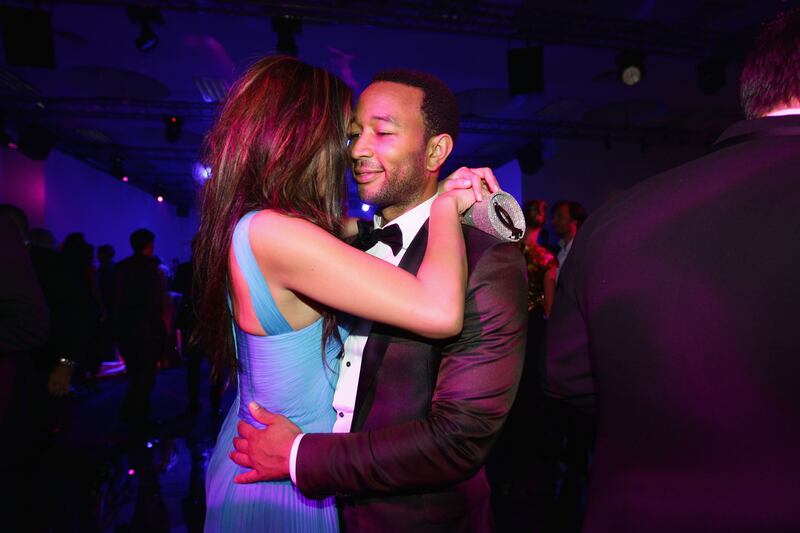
[686,332]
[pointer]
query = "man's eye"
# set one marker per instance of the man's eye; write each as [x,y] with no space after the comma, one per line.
[385,133]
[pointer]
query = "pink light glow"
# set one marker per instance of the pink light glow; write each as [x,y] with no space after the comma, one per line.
[125,179]
[159,198]
[131,472]
[12,145]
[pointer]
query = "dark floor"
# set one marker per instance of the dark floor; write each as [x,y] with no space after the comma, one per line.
[99,476]
[102,477]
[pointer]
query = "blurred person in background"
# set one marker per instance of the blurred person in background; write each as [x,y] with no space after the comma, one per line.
[140,325]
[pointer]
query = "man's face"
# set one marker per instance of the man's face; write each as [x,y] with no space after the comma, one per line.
[387,144]
[562,221]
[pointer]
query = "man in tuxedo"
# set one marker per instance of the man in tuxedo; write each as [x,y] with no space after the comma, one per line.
[416,417]
[683,334]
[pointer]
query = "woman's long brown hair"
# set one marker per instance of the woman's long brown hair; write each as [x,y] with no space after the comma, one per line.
[279,143]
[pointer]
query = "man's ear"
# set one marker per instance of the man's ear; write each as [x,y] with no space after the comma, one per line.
[437,151]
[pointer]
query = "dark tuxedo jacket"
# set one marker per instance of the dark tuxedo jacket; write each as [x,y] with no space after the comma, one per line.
[677,310]
[427,412]
[24,327]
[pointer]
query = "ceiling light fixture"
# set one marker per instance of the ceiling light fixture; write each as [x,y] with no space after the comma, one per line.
[146,16]
[286,27]
[630,66]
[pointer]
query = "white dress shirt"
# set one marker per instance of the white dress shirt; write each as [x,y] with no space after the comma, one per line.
[344,399]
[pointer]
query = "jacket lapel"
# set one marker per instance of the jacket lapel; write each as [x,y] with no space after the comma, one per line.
[378,342]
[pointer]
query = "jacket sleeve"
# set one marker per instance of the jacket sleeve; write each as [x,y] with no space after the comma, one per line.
[476,385]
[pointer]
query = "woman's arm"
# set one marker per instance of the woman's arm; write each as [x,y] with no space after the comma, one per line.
[306,259]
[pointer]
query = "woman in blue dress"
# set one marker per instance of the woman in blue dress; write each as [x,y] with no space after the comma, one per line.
[272,268]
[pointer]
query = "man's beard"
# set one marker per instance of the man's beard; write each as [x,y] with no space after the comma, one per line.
[402,185]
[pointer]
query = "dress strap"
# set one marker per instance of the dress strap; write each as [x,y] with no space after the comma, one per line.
[264,306]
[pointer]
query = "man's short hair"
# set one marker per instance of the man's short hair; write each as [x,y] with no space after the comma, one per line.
[771,74]
[140,239]
[576,211]
[439,105]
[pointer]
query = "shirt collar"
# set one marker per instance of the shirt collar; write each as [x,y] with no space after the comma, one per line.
[411,221]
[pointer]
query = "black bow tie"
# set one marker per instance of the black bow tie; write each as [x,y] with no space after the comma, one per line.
[391,235]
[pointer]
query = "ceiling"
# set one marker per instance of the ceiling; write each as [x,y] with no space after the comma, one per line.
[105,100]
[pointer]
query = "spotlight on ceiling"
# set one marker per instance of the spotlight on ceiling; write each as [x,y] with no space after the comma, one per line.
[286,27]
[159,193]
[7,141]
[146,16]
[526,70]
[201,172]
[530,157]
[630,66]
[173,125]
[711,75]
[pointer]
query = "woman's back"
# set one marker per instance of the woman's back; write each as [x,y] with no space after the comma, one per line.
[284,371]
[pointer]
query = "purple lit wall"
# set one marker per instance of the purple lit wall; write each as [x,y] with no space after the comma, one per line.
[64,195]
[22,183]
[81,198]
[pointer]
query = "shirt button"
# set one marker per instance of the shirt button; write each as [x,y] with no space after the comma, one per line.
[341,414]
[348,363]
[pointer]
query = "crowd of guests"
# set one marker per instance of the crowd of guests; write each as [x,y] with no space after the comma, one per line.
[66,311]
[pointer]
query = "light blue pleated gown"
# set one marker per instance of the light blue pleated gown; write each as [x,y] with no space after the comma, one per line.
[286,373]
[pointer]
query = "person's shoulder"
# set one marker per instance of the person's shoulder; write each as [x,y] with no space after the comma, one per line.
[482,246]
[281,238]
[269,224]
[479,241]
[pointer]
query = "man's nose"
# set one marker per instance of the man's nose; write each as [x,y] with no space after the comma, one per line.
[360,147]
